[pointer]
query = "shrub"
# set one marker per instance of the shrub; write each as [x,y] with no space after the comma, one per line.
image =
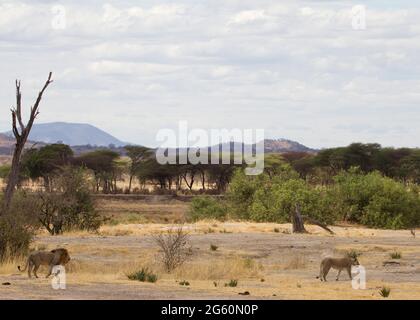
[385,291]
[4,171]
[71,206]
[276,203]
[241,192]
[15,238]
[17,227]
[376,201]
[231,283]
[395,255]
[213,247]
[205,207]
[369,199]
[184,283]
[174,248]
[143,275]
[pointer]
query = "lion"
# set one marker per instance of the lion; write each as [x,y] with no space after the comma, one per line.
[338,264]
[48,258]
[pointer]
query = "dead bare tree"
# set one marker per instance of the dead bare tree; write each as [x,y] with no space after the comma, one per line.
[298,222]
[21,133]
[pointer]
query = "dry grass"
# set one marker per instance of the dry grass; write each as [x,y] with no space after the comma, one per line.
[221,269]
[10,266]
[138,212]
[247,252]
[296,262]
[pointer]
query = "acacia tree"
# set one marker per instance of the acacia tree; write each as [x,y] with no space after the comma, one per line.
[137,156]
[44,162]
[21,133]
[104,167]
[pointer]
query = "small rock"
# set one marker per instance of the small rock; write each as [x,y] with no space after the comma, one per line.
[246,293]
[6,283]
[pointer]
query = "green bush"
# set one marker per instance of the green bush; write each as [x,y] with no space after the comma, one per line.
[15,238]
[395,255]
[71,206]
[277,202]
[4,171]
[232,283]
[385,291]
[376,201]
[17,227]
[241,193]
[143,275]
[204,207]
[251,197]
[273,198]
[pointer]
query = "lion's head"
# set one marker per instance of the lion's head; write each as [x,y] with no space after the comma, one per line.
[61,256]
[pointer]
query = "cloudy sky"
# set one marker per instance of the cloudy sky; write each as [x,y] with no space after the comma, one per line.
[303,70]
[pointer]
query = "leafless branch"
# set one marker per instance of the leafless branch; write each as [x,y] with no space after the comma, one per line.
[174,248]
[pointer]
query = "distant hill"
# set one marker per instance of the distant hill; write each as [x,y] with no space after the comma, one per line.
[270,146]
[284,145]
[7,144]
[85,137]
[73,134]
[6,141]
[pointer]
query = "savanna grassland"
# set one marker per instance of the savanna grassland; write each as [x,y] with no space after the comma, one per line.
[262,259]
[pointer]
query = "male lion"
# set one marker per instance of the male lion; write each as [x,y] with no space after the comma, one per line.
[338,264]
[52,258]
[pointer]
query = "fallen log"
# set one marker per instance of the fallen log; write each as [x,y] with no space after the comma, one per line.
[318,223]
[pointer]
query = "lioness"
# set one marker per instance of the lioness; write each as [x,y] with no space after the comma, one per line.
[48,258]
[337,264]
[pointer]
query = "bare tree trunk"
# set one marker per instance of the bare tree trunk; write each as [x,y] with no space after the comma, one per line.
[21,135]
[203,180]
[318,223]
[13,178]
[297,221]
[129,183]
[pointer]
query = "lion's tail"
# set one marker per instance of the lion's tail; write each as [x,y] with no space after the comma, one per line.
[26,267]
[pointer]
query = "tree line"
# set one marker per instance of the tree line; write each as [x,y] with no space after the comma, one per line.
[108,167]
[402,164]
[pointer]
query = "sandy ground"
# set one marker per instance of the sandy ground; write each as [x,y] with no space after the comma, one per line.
[265,259]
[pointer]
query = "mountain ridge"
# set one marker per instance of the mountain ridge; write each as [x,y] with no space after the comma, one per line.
[72,134]
[82,136]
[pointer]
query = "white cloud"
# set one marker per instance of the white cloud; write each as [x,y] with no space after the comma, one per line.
[248,16]
[297,69]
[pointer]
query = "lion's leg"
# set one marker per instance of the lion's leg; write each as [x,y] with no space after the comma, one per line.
[321,268]
[35,270]
[349,272]
[49,271]
[338,275]
[326,270]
